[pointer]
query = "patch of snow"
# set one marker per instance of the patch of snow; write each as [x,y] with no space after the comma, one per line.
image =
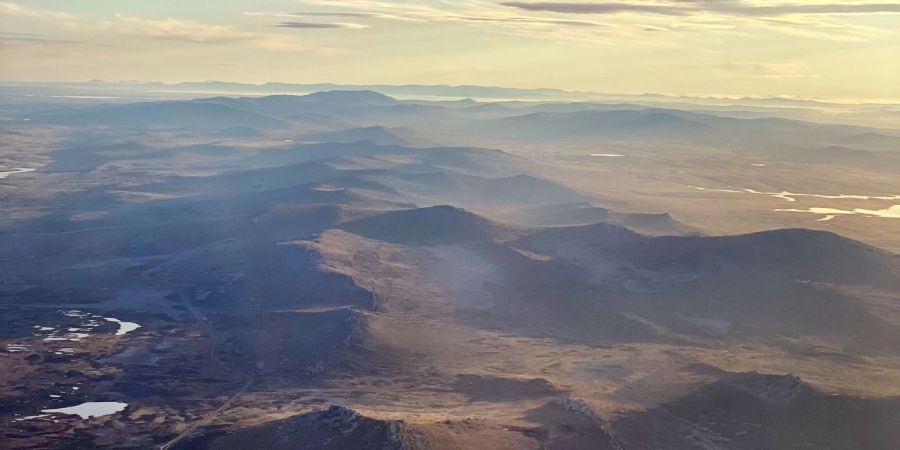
[90,409]
[790,196]
[14,171]
[124,327]
[31,417]
[891,213]
[74,337]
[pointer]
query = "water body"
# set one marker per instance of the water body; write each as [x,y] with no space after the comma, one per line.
[73,337]
[89,409]
[891,213]
[124,327]
[16,348]
[88,323]
[15,170]
[791,196]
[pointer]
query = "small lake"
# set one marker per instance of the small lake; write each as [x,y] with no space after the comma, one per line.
[13,171]
[89,409]
[791,196]
[88,322]
[124,327]
[830,213]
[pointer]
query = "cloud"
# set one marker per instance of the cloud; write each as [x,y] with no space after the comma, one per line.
[340,14]
[417,15]
[357,15]
[626,19]
[173,29]
[600,8]
[203,33]
[8,37]
[179,30]
[466,12]
[802,9]
[529,20]
[688,7]
[281,43]
[319,25]
[9,8]
[772,70]
[819,21]
[15,9]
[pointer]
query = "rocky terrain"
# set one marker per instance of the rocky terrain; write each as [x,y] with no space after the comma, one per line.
[321,272]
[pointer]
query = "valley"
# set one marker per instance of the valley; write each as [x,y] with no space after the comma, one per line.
[346,269]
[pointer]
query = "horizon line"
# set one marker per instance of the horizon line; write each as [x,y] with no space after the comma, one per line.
[697,96]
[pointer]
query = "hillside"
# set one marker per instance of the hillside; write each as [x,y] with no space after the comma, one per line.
[436,225]
[558,275]
[165,114]
[374,134]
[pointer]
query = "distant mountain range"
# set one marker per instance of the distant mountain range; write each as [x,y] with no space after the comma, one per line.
[370,116]
[410,90]
[316,271]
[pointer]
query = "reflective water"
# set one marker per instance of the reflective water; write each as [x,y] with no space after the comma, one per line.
[90,409]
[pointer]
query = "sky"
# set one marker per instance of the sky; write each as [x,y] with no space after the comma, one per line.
[831,49]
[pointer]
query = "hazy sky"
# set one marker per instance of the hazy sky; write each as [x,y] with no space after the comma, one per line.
[827,48]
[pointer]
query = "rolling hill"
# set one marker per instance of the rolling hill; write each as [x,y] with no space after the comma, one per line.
[436,225]
[189,114]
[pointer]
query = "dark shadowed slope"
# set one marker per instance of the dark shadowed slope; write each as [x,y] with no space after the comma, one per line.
[436,225]
[164,114]
[326,103]
[335,428]
[580,124]
[566,214]
[810,254]
[375,134]
[585,213]
[787,253]
[754,410]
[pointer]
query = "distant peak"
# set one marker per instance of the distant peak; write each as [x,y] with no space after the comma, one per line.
[432,225]
[352,95]
[447,208]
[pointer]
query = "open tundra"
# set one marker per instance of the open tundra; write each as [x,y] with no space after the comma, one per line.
[349,270]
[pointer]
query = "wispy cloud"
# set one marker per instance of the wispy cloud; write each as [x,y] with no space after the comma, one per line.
[8,37]
[16,9]
[624,19]
[201,33]
[419,15]
[740,8]
[63,19]
[356,15]
[528,20]
[319,25]
[603,8]
[687,7]
[173,29]
[483,13]
[772,70]
[176,29]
